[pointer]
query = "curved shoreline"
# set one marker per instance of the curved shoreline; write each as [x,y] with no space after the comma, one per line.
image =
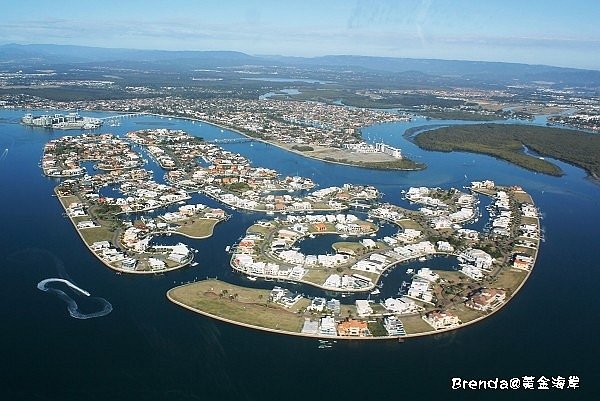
[117,269]
[389,266]
[429,128]
[238,131]
[357,338]
[351,338]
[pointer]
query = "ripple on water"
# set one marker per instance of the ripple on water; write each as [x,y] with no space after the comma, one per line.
[72,306]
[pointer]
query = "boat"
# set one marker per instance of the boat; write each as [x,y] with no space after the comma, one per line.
[227,248]
[251,278]
[422,259]
[343,235]
[375,291]
[194,264]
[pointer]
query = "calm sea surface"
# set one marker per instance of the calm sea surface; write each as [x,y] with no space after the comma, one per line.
[150,349]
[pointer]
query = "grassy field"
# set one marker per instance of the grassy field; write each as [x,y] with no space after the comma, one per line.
[509,279]
[506,141]
[415,324]
[200,228]
[95,234]
[258,229]
[409,223]
[67,200]
[355,247]
[464,313]
[380,161]
[240,304]
[522,197]
[318,275]
[453,276]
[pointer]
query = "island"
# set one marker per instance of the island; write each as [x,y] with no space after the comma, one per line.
[523,145]
[491,267]
[119,230]
[114,228]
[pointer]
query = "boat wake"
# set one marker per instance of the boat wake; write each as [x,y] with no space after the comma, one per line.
[72,306]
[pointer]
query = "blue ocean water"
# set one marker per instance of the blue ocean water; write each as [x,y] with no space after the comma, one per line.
[150,349]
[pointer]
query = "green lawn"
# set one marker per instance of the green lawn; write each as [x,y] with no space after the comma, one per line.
[240,304]
[199,228]
[409,223]
[415,324]
[95,234]
[509,279]
[464,313]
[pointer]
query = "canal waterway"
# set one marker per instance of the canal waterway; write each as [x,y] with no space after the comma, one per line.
[150,349]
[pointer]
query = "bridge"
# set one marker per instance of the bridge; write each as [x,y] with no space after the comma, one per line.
[231,140]
[128,115]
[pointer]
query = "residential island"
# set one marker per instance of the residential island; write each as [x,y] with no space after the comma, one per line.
[108,224]
[120,211]
[491,267]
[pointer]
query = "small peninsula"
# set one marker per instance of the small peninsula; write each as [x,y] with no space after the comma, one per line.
[513,143]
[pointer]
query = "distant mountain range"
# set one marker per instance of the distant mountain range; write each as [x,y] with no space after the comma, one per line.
[45,56]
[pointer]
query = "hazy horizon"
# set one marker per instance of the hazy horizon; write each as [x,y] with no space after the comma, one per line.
[563,34]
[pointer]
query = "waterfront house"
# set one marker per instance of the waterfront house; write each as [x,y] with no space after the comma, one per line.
[334,306]
[353,328]
[310,327]
[442,320]
[471,271]
[328,326]
[427,274]
[401,305]
[478,258]
[393,326]
[317,304]
[363,307]
[486,299]
[421,290]
[522,262]
[333,281]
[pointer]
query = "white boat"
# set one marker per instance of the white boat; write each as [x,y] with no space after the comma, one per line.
[227,248]
[344,236]
[375,291]
[251,278]
[194,263]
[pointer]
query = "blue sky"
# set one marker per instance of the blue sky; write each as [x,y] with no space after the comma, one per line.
[562,33]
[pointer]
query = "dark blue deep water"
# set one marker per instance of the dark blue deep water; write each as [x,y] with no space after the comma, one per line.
[150,349]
